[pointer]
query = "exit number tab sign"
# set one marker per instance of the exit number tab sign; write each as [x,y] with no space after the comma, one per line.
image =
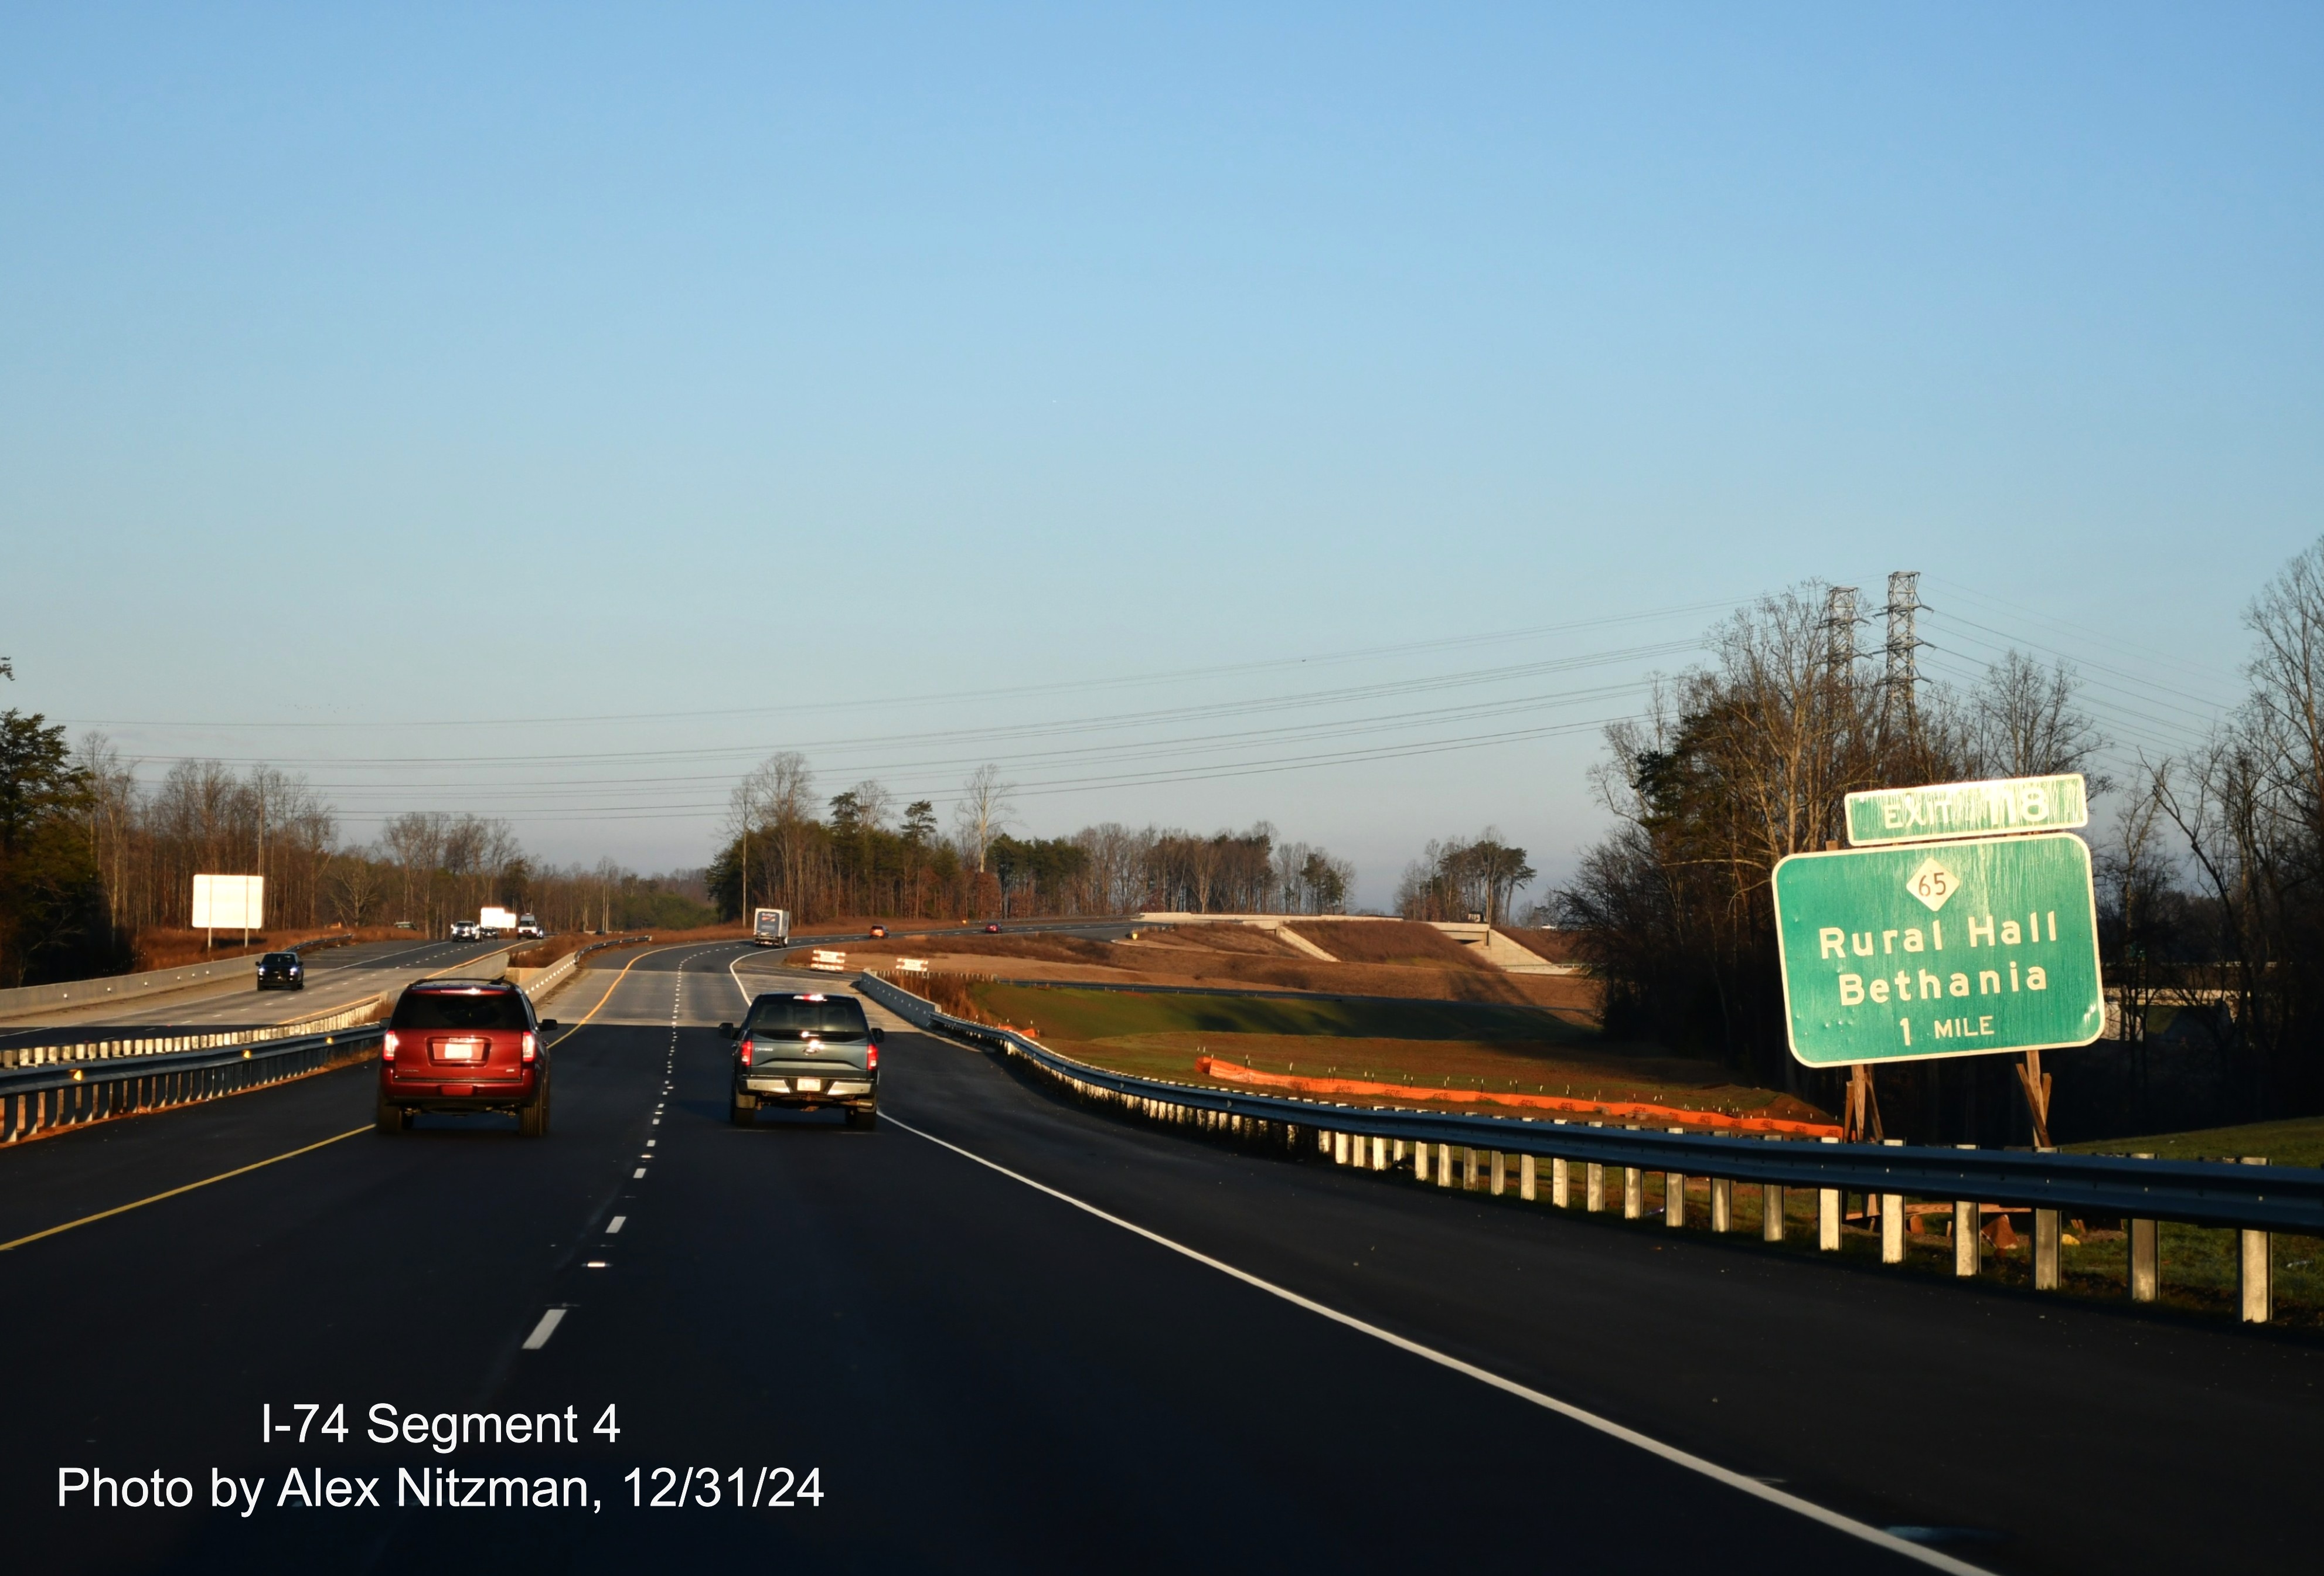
[1968,809]
[1985,944]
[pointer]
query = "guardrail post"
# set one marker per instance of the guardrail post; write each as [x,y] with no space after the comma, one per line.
[1420,1163]
[1771,1211]
[2045,1251]
[1561,1183]
[1500,1171]
[1444,1164]
[1675,1195]
[1723,1203]
[1965,1238]
[1526,1177]
[1892,1219]
[1593,1195]
[1468,1169]
[2145,1267]
[2256,1268]
[1828,1215]
[1395,1152]
[1379,1154]
[1339,1148]
[1634,1192]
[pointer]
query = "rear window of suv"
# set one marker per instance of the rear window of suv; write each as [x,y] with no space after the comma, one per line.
[460,1009]
[831,1018]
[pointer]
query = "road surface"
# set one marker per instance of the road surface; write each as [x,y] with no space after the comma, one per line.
[1005,1333]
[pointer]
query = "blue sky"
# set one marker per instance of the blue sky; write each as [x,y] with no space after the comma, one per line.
[436,374]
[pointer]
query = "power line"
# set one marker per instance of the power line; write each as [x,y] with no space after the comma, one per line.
[954,696]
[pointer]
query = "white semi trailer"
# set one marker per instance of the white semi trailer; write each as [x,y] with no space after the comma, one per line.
[772,927]
[496,922]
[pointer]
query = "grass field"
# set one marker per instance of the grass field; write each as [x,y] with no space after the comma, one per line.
[1442,1045]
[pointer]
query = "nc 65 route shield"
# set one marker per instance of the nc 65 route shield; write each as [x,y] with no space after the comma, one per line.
[1947,949]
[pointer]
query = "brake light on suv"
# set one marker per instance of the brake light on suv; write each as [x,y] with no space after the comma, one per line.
[746,1053]
[532,1046]
[387,1047]
[870,1057]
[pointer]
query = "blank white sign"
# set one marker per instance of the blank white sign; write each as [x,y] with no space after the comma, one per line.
[229,902]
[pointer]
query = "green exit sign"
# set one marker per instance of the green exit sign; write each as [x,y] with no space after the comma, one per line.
[1950,949]
[1968,809]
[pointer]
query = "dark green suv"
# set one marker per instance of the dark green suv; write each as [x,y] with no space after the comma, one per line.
[806,1049]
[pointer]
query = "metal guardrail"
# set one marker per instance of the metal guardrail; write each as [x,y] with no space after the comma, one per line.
[2255,1200]
[140,1041]
[35,1099]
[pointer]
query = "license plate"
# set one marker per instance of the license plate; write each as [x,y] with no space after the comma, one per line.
[464,1050]
[810,1085]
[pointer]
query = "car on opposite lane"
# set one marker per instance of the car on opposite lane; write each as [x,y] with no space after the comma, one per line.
[464,1044]
[806,1049]
[993,930]
[282,971]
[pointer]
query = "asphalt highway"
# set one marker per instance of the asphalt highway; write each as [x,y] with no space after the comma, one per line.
[337,977]
[1004,1332]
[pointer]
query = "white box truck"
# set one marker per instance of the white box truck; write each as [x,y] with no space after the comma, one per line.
[772,927]
[494,922]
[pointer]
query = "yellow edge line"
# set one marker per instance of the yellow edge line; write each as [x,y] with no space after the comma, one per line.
[310,1149]
[205,1181]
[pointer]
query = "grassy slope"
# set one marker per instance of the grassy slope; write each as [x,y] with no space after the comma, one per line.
[2288,1143]
[1461,1044]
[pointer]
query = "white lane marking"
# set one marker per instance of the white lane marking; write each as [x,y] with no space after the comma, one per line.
[652,1142]
[1606,1426]
[544,1330]
[614,1227]
[640,1171]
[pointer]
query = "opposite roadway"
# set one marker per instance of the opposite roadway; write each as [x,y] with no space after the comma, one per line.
[335,976]
[1005,1332]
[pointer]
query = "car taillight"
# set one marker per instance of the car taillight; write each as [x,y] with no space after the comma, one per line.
[532,1046]
[872,1058]
[746,1053]
[387,1047]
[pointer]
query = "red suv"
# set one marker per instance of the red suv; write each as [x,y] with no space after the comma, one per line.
[464,1044]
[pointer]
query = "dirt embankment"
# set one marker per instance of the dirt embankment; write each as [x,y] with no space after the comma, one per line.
[1552,946]
[1391,941]
[1244,958]
[178,949]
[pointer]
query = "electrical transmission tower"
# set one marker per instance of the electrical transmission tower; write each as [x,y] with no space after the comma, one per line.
[1900,712]
[1839,622]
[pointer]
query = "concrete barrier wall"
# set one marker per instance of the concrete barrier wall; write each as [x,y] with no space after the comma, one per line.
[114,988]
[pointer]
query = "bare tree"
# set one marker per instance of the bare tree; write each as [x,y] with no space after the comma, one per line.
[355,890]
[2025,723]
[984,812]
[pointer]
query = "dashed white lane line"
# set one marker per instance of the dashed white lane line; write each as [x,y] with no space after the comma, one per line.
[640,1171]
[1606,1426]
[544,1330]
[613,1226]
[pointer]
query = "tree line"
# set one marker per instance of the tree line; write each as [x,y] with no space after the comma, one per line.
[92,859]
[859,853]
